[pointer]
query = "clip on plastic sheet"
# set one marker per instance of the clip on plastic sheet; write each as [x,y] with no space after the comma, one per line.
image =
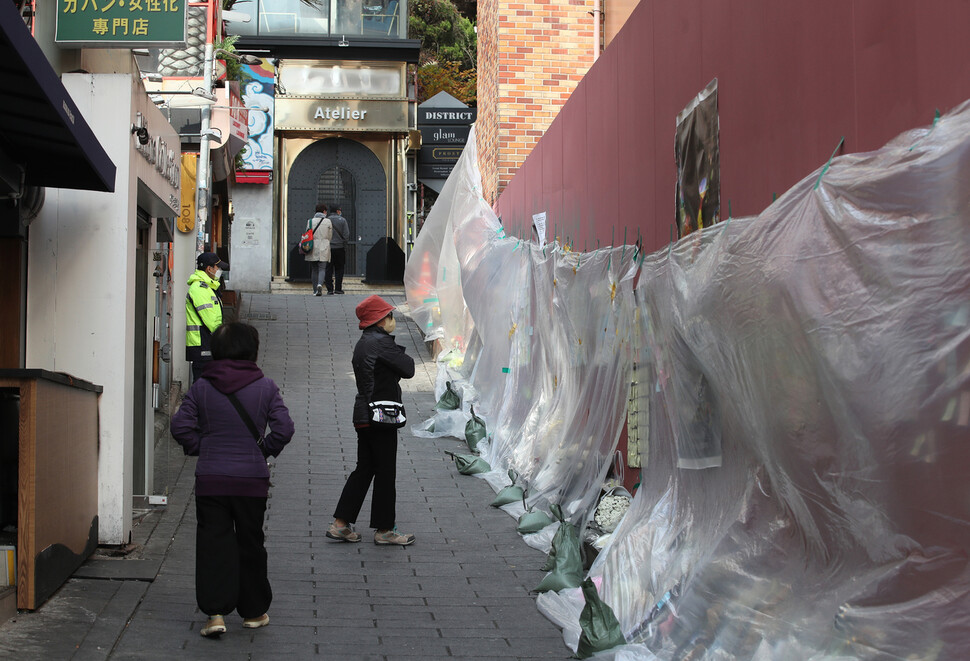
[825,168]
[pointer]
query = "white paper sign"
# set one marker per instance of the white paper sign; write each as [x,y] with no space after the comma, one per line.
[539,222]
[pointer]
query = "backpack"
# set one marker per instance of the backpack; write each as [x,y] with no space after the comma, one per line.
[306,239]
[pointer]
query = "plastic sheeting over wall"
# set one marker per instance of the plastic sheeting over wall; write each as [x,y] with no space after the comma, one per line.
[806,483]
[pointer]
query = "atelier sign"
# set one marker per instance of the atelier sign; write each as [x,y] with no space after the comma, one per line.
[303,114]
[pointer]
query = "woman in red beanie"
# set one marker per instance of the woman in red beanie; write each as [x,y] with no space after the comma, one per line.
[379,365]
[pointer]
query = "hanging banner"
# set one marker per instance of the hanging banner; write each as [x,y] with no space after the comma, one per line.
[698,200]
[186,220]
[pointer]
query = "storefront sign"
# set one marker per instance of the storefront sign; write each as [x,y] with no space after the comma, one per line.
[340,115]
[120,23]
[156,151]
[186,219]
[444,135]
[437,162]
[447,115]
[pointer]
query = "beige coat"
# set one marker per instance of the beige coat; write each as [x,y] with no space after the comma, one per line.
[321,239]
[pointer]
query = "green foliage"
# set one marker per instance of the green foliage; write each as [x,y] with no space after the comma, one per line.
[239,162]
[435,77]
[449,48]
[234,70]
[445,34]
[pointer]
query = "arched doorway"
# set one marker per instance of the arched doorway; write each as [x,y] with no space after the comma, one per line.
[342,172]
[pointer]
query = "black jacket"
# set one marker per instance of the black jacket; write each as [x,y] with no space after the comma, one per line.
[379,365]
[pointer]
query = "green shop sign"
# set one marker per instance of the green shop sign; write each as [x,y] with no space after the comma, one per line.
[121,23]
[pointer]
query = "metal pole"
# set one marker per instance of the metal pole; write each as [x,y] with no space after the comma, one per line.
[203,194]
[597,19]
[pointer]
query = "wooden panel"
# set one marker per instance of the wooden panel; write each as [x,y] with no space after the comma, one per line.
[58,487]
[26,494]
[11,249]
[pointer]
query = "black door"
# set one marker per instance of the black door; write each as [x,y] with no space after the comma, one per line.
[342,172]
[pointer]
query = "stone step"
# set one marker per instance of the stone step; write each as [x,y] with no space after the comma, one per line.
[280,285]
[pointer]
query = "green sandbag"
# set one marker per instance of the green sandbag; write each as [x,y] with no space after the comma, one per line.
[510,494]
[551,558]
[469,464]
[532,521]
[450,400]
[474,431]
[600,628]
[565,565]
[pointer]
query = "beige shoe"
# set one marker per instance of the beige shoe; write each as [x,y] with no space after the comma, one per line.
[392,537]
[214,627]
[256,622]
[345,533]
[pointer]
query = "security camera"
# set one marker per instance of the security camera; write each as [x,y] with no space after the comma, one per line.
[141,133]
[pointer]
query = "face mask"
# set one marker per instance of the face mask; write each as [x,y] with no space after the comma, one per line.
[390,325]
[217,275]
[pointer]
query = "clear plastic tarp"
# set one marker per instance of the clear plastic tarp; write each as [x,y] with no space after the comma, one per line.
[803,382]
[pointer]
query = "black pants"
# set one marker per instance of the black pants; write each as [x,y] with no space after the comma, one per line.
[335,269]
[377,461]
[230,559]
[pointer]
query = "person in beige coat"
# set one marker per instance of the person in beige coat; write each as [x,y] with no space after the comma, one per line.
[318,258]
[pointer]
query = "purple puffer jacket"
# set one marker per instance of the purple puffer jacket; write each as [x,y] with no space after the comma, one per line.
[208,426]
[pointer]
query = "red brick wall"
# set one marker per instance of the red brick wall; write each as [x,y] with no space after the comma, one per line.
[531,57]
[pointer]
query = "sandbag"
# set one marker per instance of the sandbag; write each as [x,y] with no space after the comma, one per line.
[510,494]
[532,520]
[600,629]
[474,431]
[469,464]
[450,400]
[564,563]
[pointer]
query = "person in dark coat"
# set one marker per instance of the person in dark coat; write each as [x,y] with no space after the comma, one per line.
[338,253]
[231,476]
[379,365]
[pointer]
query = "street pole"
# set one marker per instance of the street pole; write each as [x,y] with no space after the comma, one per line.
[203,195]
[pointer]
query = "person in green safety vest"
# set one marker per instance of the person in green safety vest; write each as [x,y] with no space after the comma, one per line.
[203,310]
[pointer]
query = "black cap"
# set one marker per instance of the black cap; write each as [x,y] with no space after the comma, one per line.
[208,259]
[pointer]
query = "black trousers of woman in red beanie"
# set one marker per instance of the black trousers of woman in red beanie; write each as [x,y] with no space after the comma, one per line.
[377,462]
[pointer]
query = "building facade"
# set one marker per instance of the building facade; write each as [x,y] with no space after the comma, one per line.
[531,57]
[340,130]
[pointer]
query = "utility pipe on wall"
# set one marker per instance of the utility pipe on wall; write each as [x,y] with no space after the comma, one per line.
[597,19]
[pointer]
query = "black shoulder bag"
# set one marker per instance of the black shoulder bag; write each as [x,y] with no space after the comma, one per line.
[249,423]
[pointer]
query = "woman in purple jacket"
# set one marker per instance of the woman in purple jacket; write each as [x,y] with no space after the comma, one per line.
[231,476]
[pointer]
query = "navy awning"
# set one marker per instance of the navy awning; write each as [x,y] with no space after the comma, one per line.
[41,129]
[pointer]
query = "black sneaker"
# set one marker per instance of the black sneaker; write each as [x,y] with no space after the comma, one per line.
[339,291]
[330,293]
[317,291]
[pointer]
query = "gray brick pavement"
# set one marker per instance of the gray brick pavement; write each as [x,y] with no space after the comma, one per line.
[461,591]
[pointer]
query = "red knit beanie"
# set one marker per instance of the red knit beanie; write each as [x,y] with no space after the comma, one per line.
[372,309]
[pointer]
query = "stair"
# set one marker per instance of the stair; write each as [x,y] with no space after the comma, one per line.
[352,286]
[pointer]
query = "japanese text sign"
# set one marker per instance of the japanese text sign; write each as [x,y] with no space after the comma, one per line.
[121,23]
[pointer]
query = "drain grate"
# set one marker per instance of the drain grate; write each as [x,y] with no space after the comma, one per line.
[262,316]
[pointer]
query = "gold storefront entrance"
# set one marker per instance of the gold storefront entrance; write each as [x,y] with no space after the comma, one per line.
[341,130]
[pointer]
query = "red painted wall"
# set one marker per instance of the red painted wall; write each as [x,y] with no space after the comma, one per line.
[793,78]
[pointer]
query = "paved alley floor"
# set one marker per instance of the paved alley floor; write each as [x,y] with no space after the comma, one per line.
[461,591]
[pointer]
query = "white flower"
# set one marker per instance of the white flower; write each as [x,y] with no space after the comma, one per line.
[610,511]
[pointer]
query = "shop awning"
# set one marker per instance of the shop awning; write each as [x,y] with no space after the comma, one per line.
[41,129]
